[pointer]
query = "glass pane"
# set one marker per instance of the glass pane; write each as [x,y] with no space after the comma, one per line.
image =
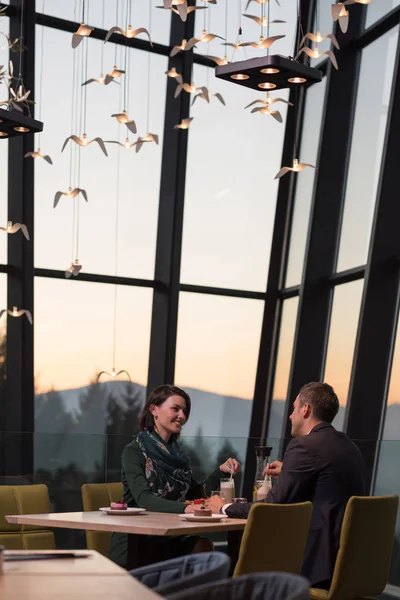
[342,338]
[366,150]
[216,360]
[282,370]
[214,21]
[139,173]
[377,10]
[74,336]
[4,29]
[305,182]
[160,19]
[391,429]
[3,332]
[230,189]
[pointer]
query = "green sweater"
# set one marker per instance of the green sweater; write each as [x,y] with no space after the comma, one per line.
[138,494]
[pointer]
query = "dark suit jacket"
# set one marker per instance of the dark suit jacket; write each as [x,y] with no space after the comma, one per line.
[326,468]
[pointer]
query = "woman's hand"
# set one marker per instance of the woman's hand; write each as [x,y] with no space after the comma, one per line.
[274,469]
[215,503]
[230,466]
[190,508]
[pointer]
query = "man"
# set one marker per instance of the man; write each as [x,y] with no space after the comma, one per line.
[320,464]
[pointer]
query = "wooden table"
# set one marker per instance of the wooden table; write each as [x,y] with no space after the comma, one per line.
[150,523]
[92,578]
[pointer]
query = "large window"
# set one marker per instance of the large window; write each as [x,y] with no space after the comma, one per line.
[134,177]
[377,10]
[230,189]
[366,150]
[305,182]
[342,338]
[282,369]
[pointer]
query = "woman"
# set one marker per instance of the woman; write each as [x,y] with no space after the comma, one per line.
[156,475]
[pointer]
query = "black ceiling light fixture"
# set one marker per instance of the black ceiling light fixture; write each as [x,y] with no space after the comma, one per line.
[13,120]
[273,72]
[14,123]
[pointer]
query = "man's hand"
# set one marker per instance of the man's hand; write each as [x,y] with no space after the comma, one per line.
[190,508]
[230,466]
[274,469]
[215,503]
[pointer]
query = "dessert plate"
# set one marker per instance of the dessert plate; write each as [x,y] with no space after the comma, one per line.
[213,518]
[123,511]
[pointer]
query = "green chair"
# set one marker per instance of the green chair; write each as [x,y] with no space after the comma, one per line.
[365,551]
[274,538]
[22,500]
[95,496]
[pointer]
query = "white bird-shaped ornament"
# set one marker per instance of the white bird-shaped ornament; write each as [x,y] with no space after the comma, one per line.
[315,53]
[115,74]
[16,227]
[125,120]
[101,80]
[237,45]
[74,269]
[113,373]
[15,312]
[297,168]
[83,141]
[38,154]
[258,2]
[317,38]
[219,61]
[268,100]
[176,49]
[83,31]
[127,144]
[149,137]
[266,43]
[184,124]
[204,95]
[129,33]
[189,9]
[341,14]
[173,73]
[70,194]
[180,6]
[204,39]
[263,22]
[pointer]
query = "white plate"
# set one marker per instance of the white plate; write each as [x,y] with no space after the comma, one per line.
[213,518]
[121,511]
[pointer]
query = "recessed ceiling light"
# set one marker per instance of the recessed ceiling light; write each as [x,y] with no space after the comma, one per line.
[3,134]
[21,129]
[240,76]
[267,85]
[269,71]
[297,80]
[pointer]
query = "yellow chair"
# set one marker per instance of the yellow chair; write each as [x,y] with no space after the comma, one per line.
[366,540]
[22,500]
[95,496]
[274,538]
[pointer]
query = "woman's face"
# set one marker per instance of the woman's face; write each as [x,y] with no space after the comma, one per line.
[169,417]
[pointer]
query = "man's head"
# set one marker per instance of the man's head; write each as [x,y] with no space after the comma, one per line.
[315,403]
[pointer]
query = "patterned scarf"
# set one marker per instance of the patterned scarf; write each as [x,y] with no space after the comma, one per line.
[167,468]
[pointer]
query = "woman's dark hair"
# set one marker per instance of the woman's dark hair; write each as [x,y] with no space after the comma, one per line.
[157,397]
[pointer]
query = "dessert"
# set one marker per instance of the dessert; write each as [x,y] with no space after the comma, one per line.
[119,505]
[202,511]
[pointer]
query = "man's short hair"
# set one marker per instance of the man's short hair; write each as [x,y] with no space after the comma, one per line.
[322,398]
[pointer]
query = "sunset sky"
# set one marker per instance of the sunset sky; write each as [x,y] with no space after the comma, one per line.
[230,200]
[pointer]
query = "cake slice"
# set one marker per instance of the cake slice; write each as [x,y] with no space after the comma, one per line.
[202,511]
[119,505]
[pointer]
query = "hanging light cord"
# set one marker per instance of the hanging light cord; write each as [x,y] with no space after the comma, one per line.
[148,75]
[102,45]
[116,22]
[41,74]
[127,21]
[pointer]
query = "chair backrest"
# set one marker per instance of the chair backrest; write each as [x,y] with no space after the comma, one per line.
[256,586]
[184,572]
[274,538]
[95,496]
[20,500]
[366,541]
